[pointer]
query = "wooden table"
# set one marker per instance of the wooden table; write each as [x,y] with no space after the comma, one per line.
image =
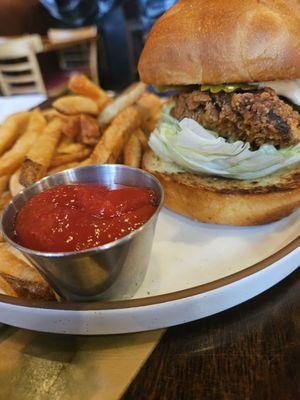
[48,45]
[249,352]
[54,46]
[42,44]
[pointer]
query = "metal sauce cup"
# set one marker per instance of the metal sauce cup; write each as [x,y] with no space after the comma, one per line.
[112,271]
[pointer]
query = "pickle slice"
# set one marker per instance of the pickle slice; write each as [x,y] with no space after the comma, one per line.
[227,87]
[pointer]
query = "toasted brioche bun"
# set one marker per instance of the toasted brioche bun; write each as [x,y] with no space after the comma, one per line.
[202,41]
[217,200]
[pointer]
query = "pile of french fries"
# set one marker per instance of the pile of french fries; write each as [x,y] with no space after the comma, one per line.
[82,128]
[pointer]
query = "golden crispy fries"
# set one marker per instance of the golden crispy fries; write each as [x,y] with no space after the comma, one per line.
[120,103]
[39,157]
[152,106]
[67,146]
[71,126]
[50,113]
[88,161]
[72,105]
[150,124]
[71,123]
[3,183]
[62,167]
[61,159]
[89,133]
[15,186]
[111,143]
[6,288]
[11,129]
[133,152]
[13,158]
[81,85]
[151,102]
[23,279]
[4,200]
[142,138]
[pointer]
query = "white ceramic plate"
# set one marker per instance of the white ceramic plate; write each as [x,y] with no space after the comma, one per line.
[196,270]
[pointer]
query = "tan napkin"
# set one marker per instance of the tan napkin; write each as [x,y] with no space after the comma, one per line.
[45,366]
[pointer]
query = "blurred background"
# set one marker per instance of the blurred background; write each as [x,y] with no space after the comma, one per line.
[43,42]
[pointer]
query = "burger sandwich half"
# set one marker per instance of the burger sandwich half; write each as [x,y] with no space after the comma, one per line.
[227,148]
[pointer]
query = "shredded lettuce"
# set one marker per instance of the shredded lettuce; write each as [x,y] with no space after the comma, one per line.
[195,149]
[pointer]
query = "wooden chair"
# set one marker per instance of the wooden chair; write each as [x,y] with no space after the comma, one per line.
[19,69]
[82,57]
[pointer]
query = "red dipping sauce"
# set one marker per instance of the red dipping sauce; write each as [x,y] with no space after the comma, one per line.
[78,217]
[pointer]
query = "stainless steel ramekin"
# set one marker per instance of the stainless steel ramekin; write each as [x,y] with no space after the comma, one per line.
[112,271]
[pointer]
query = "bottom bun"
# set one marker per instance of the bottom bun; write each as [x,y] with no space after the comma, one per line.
[218,200]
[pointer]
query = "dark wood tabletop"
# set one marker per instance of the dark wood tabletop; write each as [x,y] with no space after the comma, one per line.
[249,352]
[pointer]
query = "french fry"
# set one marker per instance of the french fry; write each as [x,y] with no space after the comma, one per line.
[6,288]
[4,183]
[50,113]
[120,103]
[67,145]
[89,132]
[15,186]
[40,155]
[87,161]
[142,138]
[151,107]
[112,141]
[13,158]
[23,279]
[72,105]
[61,159]
[4,200]
[81,85]
[11,129]
[133,152]
[150,124]
[151,102]
[71,125]
[62,168]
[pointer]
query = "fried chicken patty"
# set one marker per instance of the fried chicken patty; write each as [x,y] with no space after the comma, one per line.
[258,117]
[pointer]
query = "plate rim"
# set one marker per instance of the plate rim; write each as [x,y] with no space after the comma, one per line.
[157,299]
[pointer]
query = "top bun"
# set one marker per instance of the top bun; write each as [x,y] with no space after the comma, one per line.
[218,41]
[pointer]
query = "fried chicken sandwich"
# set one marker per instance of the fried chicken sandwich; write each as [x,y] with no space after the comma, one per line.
[227,149]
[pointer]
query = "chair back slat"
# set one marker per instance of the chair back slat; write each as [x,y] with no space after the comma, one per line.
[22,66]
[82,56]
[19,68]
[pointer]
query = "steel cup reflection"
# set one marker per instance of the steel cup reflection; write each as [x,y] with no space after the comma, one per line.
[112,271]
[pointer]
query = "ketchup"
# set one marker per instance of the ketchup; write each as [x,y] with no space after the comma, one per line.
[77,217]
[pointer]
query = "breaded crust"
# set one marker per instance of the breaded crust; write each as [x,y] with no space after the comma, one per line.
[257,117]
[224,201]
